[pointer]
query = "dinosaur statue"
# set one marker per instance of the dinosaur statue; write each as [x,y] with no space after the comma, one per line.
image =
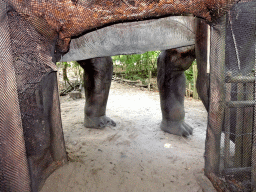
[171,83]
[133,38]
[34,35]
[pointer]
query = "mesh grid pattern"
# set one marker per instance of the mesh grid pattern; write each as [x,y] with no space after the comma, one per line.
[33,35]
[30,115]
[35,71]
[14,174]
[229,163]
[240,94]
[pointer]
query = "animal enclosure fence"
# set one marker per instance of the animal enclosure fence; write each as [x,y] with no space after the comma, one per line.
[230,164]
[31,138]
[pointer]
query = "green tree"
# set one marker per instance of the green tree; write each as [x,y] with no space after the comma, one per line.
[137,66]
[78,71]
[189,73]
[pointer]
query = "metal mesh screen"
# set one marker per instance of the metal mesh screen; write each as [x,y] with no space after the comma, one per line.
[13,164]
[31,139]
[229,155]
[33,36]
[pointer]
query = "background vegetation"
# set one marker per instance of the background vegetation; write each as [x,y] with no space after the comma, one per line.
[137,67]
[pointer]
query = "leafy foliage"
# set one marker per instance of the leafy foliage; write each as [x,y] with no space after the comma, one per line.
[137,66]
[78,71]
[133,67]
[190,74]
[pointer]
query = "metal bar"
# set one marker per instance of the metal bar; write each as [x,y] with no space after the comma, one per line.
[239,79]
[241,104]
[217,99]
[208,48]
[237,171]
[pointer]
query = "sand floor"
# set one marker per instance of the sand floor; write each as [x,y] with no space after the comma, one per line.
[135,155]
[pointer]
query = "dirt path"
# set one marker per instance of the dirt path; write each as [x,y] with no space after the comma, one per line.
[133,156]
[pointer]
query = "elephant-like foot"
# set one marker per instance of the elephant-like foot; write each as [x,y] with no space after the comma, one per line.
[98,122]
[177,128]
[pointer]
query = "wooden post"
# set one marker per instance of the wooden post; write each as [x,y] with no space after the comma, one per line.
[149,80]
[186,90]
[247,129]
[189,89]
[195,94]
[227,128]
[239,125]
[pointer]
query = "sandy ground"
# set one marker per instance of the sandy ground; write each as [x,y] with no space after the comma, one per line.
[135,155]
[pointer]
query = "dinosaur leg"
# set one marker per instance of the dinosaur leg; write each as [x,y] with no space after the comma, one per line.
[171,65]
[97,81]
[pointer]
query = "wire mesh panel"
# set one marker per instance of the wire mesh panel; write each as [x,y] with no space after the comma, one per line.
[38,99]
[31,138]
[34,33]
[14,175]
[229,155]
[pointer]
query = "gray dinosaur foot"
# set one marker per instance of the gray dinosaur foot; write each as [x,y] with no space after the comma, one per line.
[177,128]
[98,122]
